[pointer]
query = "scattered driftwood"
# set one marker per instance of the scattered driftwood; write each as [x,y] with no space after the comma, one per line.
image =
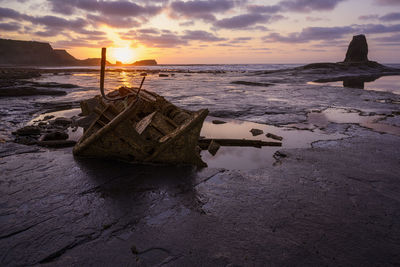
[205,143]
[273,136]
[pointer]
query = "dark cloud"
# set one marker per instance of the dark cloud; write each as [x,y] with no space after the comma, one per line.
[390,17]
[125,8]
[200,9]
[9,13]
[57,22]
[187,23]
[148,31]
[377,28]
[107,8]
[388,2]
[201,36]
[310,34]
[163,40]
[264,9]
[52,25]
[115,22]
[303,6]
[241,21]
[166,38]
[309,5]
[389,39]
[9,27]
[259,28]
[329,34]
[47,33]
[82,43]
[240,40]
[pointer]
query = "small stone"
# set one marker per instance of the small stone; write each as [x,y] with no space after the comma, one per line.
[62,121]
[28,130]
[213,147]
[162,75]
[256,132]
[278,155]
[218,122]
[48,117]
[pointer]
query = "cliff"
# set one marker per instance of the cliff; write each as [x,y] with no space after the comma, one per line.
[31,53]
[27,53]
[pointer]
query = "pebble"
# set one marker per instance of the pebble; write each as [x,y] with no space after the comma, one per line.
[218,122]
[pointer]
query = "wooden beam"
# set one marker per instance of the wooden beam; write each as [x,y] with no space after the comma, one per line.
[205,142]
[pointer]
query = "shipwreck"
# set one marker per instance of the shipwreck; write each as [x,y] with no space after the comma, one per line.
[136,125]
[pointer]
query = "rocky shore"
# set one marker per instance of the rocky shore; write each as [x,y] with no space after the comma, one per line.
[332,201]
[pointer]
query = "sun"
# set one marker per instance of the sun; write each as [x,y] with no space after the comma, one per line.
[123,54]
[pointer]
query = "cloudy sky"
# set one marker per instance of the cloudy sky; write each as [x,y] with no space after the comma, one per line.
[214,31]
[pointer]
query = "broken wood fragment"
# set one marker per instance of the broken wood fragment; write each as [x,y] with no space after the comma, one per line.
[213,147]
[274,136]
[204,143]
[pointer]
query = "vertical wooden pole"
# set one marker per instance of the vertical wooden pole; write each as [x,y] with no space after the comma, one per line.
[103,67]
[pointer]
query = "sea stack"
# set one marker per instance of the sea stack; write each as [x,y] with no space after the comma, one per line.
[358,50]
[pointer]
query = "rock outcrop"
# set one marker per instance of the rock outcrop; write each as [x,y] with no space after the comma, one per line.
[357,50]
[30,53]
[147,62]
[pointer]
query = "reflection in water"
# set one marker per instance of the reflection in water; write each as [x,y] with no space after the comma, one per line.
[250,157]
[358,82]
[124,79]
[322,119]
[374,83]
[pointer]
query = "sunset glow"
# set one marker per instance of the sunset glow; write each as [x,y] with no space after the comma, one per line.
[122,54]
[215,31]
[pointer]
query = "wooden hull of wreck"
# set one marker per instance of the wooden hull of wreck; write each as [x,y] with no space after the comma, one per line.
[119,135]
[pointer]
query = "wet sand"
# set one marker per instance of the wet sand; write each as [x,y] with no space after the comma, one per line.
[329,198]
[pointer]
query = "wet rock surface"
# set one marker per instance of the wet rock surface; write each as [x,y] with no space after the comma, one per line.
[314,208]
[336,203]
